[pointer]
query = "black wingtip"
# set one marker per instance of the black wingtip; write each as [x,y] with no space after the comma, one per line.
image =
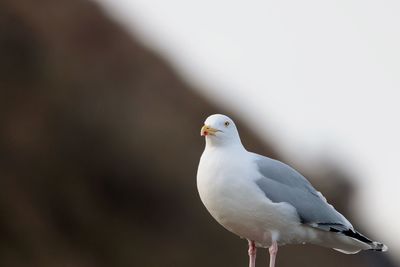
[342,229]
[375,246]
[379,247]
[357,235]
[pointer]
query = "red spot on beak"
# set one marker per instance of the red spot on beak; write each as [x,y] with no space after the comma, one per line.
[204,131]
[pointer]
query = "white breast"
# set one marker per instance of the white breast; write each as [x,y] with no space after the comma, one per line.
[226,183]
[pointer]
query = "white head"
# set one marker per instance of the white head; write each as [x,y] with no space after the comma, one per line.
[220,130]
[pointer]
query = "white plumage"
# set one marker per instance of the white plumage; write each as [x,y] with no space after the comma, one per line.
[266,201]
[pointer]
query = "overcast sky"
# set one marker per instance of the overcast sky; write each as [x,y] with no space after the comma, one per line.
[317,77]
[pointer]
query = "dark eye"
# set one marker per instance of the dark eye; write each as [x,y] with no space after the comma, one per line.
[226,123]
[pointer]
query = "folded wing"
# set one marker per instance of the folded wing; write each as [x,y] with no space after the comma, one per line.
[282,183]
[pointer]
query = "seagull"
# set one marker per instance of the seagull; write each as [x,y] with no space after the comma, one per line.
[266,201]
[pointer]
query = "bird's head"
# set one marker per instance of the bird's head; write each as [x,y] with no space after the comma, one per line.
[220,130]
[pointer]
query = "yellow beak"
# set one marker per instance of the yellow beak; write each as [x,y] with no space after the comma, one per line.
[207,130]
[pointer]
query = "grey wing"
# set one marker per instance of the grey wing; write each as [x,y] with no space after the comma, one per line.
[282,183]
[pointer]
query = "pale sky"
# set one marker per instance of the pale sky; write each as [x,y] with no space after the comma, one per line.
[316,77]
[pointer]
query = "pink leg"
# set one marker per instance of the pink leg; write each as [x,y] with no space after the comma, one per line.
[273,250]
[252,254]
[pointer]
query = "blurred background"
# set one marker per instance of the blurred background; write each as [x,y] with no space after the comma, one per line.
[101,103]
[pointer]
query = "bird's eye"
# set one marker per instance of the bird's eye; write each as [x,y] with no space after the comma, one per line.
[226,123]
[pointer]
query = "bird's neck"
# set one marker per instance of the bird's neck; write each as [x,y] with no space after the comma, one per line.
[227,145]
